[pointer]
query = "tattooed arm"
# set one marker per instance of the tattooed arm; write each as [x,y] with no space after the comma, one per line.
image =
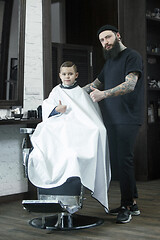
[95,84]
[124,88]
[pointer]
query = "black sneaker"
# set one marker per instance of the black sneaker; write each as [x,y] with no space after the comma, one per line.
[133,209]
[115,211]
[124,216]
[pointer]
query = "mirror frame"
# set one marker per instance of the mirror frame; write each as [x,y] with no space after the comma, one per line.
[47,47]
[20,73]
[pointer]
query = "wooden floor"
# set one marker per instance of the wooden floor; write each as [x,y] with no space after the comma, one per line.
[14,220]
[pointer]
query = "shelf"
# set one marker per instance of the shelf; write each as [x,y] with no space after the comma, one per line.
[154,124]
[19,121]
[152,19]
[154,89]
[153,54]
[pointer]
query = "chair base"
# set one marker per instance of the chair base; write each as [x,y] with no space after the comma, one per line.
[66,222]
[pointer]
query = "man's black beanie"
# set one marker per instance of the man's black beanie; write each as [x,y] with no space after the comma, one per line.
[107,27]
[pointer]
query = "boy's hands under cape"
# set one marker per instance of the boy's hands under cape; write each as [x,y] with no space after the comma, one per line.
[61,108]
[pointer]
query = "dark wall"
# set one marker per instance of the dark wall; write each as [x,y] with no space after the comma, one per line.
[84,18]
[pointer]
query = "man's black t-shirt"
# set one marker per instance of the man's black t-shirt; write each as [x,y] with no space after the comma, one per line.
[128,108]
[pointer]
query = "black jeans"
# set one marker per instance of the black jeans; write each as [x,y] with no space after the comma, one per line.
[121,145]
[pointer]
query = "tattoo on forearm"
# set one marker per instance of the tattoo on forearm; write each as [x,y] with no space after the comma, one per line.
[87,88]
[124,88]
[96,84]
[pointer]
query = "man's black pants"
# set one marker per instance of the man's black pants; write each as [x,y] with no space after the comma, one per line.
[121,145]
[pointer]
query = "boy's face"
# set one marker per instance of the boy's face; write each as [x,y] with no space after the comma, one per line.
[68,75]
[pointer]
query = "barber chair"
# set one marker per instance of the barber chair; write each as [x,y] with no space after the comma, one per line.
[62,202]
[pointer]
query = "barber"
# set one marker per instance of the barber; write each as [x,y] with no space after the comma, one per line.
[122,78]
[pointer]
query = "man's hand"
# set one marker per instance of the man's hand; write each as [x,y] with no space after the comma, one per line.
[96,94]
[61,108]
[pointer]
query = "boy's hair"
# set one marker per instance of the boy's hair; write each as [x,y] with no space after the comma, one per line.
[69,64]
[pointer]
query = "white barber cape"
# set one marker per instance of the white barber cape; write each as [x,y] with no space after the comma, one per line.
[71,144]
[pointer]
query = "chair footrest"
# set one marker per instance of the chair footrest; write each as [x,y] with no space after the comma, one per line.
[43,206]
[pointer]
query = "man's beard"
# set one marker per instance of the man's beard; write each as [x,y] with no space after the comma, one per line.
[113,52]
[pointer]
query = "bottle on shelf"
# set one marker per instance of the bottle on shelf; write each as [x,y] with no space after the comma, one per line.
[157,13]
[151,118]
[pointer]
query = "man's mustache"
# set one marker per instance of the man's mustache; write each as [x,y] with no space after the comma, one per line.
[108,45]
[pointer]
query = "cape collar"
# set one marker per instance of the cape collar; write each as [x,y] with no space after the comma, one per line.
[69,87]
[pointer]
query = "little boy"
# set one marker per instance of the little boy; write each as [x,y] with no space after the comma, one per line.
[71,140]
